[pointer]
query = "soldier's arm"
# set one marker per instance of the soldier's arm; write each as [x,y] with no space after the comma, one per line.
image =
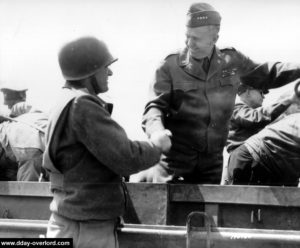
[247,117]
[160,98]
[108,142]
[264,76]
[19,109]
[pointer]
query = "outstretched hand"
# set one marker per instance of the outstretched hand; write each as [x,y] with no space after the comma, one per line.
[162,140]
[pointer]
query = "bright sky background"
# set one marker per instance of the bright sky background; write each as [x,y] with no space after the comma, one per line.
[140,33]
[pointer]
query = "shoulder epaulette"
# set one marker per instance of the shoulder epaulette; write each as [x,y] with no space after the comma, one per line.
[172,53]
[227,49]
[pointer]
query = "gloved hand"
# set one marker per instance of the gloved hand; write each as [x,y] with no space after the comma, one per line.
[161,139]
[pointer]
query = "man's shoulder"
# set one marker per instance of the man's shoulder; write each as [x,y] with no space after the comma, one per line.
[227,50]
[87,99]
[234,57]
[170,60]
[173,54]
[84,103]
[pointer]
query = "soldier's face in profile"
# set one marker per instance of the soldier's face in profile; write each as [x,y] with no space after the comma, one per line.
[200,41]
[102,78]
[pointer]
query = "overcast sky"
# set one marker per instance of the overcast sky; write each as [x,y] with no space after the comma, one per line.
[140,33]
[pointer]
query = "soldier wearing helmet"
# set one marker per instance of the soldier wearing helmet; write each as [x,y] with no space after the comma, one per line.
[87,152]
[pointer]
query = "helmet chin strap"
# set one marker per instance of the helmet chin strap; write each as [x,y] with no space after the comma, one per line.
[95,89]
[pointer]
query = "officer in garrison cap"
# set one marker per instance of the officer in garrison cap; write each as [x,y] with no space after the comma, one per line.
[193,95]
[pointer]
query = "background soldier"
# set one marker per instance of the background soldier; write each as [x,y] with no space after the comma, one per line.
[249,116]
[272,156]
[14,97]
[23,142]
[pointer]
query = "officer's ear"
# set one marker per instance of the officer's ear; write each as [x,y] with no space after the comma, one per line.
[216,38]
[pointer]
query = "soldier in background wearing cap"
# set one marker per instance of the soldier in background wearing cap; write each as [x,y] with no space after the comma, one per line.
[249,116]
[270,157]
[87,152]
[14,97]
[193,95]
[22,145]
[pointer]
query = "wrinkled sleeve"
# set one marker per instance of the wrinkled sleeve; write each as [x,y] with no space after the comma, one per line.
[107,140]
[159,100]
[271,75]
[19,109]
[247,117]
[264,76]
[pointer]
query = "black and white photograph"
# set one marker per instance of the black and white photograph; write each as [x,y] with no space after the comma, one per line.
[150,124]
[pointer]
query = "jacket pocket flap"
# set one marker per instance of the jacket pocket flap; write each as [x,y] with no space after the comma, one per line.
[232,80]
[185,85]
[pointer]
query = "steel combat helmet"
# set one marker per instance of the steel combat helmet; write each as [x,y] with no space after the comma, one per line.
[83,57]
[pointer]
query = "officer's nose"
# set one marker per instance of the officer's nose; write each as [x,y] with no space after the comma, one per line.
[189,42]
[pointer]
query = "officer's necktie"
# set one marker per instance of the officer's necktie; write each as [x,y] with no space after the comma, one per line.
[205,64]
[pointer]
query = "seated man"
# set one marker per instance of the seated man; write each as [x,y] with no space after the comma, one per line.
[22,141]
[272,156]
[249,116]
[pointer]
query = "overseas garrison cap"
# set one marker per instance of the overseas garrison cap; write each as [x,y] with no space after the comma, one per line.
[202,14]
[243,88]
[13,86]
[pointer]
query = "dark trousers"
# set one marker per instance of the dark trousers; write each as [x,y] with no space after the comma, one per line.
[244,170]
[195,168]
[8,168]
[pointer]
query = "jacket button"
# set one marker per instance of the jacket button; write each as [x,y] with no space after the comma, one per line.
[213,125]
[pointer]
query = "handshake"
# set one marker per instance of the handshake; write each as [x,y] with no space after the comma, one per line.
[162,140]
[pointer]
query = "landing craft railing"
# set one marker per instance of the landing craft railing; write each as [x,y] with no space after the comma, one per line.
[190,229]
[161,236]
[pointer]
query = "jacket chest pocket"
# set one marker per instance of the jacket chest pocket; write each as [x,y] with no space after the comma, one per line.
[181,91]
[230,81]
[185,86]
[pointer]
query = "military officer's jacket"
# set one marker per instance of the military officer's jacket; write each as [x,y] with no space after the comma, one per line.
[196,106]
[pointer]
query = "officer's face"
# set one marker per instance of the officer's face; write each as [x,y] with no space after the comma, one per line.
[200,41]
[255,97]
